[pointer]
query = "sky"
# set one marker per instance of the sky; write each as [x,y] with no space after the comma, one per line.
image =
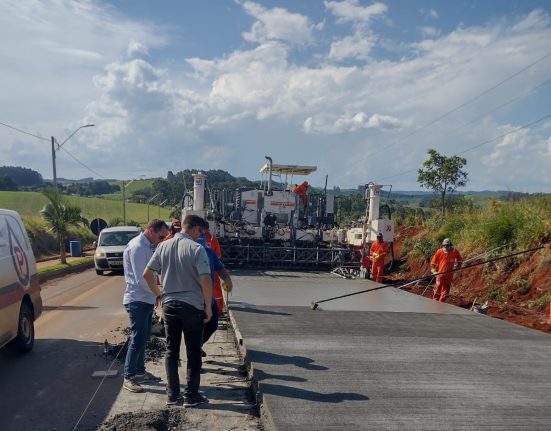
[359,89]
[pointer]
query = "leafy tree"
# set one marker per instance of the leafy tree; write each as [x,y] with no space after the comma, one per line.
[22,176]
[442,174]
[60,215]
[6,183]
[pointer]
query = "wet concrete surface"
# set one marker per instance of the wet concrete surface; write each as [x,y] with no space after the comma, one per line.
[385,360]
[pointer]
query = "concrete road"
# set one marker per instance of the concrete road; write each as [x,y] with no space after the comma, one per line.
[50,388]
[385,360]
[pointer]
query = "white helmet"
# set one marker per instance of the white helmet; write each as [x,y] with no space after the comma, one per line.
[446,242]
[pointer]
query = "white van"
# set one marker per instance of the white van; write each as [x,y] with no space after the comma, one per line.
[110,247]
[20,300]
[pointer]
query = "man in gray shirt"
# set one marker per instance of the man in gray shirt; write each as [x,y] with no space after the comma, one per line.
[186,296]
[139,302]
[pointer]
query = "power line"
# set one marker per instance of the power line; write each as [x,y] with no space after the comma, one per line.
[81,163]
[455,109]
[22,131]
[516,129]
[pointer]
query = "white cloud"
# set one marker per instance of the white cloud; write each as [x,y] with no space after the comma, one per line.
[428,31]
[136,48]
[352,123]
[357,47]
[230,110]
[353,11]
[278,24]
[429,13]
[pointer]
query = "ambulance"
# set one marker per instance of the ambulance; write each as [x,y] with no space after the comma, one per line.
[20,300]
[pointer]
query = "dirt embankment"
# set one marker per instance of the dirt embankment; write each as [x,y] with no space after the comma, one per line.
[517,289]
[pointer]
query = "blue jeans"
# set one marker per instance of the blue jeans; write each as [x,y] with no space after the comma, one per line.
[182,317]
[141,315]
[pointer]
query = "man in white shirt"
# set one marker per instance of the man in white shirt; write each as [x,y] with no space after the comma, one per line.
[139,302]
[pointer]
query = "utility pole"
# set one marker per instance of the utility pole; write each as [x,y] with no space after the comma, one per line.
[53,163]
[58,147]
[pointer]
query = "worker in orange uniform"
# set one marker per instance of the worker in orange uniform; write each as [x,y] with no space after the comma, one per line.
[212,242]
[445,259]
[378,251]
[301,190]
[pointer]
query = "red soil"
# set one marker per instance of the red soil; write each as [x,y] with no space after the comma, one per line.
[516,284]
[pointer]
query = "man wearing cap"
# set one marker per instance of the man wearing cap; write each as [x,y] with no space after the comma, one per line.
[445,259]
[378,251]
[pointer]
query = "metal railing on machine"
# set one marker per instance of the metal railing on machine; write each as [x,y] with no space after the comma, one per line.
[284,257]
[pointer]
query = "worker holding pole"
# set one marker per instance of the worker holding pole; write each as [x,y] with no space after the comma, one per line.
[445,259]
[378,251]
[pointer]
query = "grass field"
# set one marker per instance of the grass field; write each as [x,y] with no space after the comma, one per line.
[28,204]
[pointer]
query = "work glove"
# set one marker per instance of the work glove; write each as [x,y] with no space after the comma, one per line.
[434,271]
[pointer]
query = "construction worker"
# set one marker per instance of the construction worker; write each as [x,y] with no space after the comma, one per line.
[378,251]
[445,259]
[212,242]
[301,191]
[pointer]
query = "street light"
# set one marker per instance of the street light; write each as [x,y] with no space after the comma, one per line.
[148,202]
[58,147]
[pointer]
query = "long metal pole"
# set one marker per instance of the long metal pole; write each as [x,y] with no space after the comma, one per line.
[123,204]
[53,163]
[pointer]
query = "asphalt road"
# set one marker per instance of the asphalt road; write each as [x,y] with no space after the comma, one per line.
[49,388]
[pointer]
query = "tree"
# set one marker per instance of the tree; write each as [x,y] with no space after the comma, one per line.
[60,215]
[442,174]
[7,184]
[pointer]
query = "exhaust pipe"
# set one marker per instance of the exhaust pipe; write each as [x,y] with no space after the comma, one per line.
[269,192]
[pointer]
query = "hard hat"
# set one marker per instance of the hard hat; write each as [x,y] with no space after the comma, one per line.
[447,242]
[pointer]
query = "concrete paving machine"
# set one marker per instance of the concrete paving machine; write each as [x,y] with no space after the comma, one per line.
[279,224]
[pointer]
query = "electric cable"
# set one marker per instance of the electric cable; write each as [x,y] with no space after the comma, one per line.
[455,109]
[81,163]
[99,386]
[516,129]
[22,131]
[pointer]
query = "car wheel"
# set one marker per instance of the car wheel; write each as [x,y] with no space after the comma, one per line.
[24,341]
[99,272]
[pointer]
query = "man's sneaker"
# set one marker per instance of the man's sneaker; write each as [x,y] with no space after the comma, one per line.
[132,385]
[146,377]
[171,401]
[195,400]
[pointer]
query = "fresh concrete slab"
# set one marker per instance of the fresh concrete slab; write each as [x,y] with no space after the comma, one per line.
[394,362]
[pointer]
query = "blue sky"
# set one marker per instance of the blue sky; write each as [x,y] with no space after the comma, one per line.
[360,89]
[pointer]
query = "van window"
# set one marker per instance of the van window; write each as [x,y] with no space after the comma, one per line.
[116,238]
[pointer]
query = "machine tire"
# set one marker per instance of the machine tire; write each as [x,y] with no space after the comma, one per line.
[99,272]
[24,341]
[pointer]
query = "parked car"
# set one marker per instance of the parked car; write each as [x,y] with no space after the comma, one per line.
[20,300]
[110,247]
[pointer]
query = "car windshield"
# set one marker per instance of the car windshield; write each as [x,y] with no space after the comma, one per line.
[116,238]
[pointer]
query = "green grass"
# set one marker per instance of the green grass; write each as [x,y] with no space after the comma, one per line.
[58,266]
[28,205]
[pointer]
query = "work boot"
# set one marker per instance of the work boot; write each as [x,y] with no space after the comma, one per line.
[132,385]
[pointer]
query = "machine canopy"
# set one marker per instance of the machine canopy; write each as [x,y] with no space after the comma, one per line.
[288,169]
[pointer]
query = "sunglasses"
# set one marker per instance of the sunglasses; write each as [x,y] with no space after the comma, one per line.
[161,237]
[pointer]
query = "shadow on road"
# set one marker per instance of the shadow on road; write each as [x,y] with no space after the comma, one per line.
[51,387]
